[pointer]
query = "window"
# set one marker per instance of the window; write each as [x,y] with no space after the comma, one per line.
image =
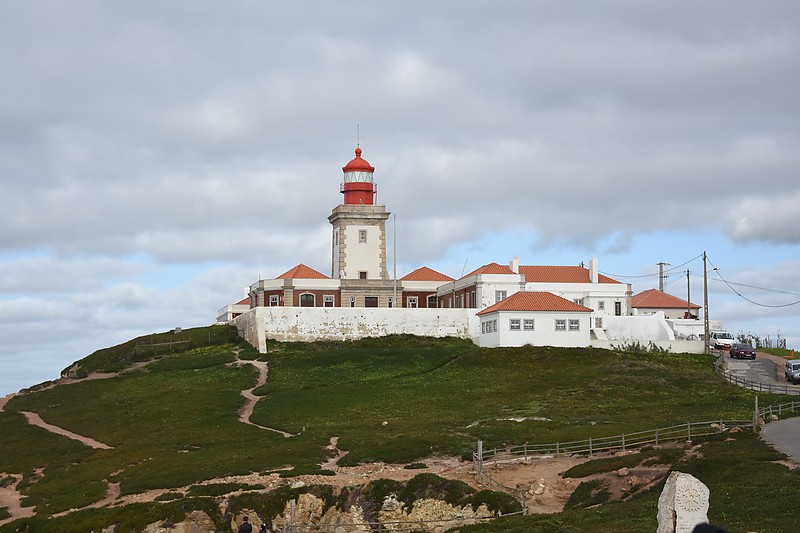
[483,327]
[390,301]
[370,301]
[474,301]
[618,308]
[527,324]
[306,300]
[273,300]
[561,324]
[578,301]
[514,324]
[362,274]
[598,322]
[499,296]
[362,235]
[458,300]
[352,301]
[411,301]
[574,324]
[328,299]
[601,305]
[432,302]
[494,325]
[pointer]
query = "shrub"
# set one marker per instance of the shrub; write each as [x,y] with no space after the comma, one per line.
[588,493]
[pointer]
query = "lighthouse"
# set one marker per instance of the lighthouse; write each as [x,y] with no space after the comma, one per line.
[358,240]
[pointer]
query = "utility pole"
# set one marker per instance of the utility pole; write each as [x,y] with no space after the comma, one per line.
[688,296]
[662,278]
[394,256]
[706,328]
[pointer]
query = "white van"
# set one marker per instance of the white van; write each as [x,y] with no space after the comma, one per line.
[720,340]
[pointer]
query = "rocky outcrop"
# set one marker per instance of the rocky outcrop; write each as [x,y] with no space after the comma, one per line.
[426,514]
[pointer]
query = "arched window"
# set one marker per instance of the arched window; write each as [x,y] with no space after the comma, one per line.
[306,300]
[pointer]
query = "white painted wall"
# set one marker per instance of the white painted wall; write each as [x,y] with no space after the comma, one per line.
[544,333]
[591,294]
[687,328]
[363,255]
[323,323]
[640,328]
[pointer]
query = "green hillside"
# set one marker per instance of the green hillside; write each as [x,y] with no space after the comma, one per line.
[171,415]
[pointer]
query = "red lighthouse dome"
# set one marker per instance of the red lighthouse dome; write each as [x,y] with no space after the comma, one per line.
[358,187]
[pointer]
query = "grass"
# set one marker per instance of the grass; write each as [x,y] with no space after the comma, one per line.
[749,491]
[174,422]
[610,464]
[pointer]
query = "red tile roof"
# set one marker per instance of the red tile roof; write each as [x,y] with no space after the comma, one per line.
[560,274]
[535,301]
[655,299]
[425,274]
[301,271]
[245,300]
[491,268]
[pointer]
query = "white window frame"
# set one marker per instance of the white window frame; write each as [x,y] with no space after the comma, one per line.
[528,324]
[499,296]
[362,235]
[273,300]
[561,324]
[390,301]
[412,302]
[352,301]
[328,299]
[574,324]
[601,305]
[515,324]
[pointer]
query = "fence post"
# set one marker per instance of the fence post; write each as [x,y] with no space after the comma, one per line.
[480,456]
[590,446]
[689,431]
[526,451]
[656,436]
[755,417]
[623,442]
[557,452]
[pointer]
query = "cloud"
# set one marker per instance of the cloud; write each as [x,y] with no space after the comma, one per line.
[142,145]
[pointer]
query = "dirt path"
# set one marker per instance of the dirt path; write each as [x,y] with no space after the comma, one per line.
[247,411]
[35,420]
[11,499]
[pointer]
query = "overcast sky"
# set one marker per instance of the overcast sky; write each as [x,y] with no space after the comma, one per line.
[158,157]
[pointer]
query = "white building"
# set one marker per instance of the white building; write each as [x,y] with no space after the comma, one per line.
[520,304]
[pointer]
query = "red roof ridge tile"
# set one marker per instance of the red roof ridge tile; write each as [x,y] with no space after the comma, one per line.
[302,271]
[426,274]
[536,301]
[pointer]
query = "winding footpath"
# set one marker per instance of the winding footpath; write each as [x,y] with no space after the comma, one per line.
[251,399]
[35,420]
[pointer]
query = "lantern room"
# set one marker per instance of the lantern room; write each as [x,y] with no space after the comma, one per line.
[358,187]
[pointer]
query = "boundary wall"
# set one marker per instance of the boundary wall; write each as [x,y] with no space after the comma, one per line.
[308,324]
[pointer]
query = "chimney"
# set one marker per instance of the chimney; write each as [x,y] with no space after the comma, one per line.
[593,270]
[514,265]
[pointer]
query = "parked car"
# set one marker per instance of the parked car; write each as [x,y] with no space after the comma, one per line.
[792,371]
[742,351]
[720,340]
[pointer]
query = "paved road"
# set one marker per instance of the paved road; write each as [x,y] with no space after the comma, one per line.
[760,369]
[784,436]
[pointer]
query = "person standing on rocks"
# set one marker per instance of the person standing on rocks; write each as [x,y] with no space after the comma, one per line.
[245,527]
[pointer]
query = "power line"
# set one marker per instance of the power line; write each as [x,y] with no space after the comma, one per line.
[743,297]
[654,274]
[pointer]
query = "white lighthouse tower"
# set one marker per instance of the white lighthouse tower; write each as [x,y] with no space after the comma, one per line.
[358,242]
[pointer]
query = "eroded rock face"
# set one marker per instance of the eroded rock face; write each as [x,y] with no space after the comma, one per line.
[683,504]
[195,522]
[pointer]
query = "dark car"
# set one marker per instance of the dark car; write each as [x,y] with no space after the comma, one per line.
[742,351]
